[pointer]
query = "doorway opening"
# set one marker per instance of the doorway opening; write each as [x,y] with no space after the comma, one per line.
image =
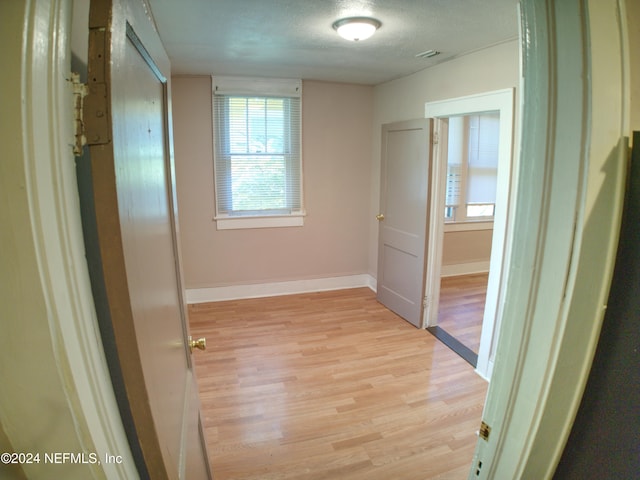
[469,212]
[470,200]
[462,301]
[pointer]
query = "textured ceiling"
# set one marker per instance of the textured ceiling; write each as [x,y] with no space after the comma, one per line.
[294,38]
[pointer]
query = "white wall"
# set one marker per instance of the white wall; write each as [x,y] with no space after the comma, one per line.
[490,69]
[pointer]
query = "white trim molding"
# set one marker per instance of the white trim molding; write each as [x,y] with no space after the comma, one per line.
[503,102]
[464,269]
[259,290]
[570,193]
[236,223]
[467,226]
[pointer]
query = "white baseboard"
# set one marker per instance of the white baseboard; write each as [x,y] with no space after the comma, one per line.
[464,269]
[486,375]
[236,292]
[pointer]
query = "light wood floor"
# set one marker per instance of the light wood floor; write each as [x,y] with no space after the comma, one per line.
[331,386]
[461,307]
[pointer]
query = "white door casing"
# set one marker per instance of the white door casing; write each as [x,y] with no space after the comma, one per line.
[403,217]
[502,102]
[571,182]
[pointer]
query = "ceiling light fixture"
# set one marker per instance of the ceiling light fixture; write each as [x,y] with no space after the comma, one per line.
[356,28]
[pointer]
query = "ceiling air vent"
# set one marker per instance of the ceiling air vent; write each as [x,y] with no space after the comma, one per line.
[428,54]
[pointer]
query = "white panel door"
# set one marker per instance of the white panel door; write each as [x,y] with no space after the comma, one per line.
[403,217]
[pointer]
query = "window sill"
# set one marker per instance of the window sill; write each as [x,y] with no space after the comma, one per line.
[468,226]
[238,223]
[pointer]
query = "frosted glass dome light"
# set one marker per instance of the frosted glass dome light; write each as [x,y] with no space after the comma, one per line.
[355,29]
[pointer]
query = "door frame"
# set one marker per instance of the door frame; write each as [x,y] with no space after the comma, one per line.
[575,132]
[439,111]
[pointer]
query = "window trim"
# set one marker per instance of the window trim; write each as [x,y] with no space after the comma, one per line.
[259,87]
[272,221]
[473,226]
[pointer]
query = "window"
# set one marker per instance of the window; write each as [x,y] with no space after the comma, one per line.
[472,167]
[257,150]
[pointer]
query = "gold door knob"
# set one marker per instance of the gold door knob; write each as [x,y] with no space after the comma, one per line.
[380,217]
[200,344]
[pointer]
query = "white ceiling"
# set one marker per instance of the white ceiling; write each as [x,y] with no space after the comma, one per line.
[295,39]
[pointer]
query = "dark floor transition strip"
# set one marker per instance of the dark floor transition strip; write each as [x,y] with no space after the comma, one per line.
[465,352]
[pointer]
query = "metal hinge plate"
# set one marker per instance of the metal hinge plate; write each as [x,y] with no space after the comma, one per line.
[96,105]
[484,432]
[80,91]
[96,115]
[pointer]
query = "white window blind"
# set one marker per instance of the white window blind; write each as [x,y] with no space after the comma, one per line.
[472,167]
[484,138]
[257,147]
[455,161]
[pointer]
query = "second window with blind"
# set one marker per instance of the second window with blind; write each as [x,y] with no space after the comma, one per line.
[257,152]
[472,167]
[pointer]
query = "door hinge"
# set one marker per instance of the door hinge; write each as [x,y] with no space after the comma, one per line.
[96,115]
[484,432]
[91,114]
[425,302]
[96,112]
[436,138]
[80,91]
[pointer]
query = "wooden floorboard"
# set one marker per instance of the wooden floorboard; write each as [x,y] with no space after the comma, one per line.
[331,385]
[461,307]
